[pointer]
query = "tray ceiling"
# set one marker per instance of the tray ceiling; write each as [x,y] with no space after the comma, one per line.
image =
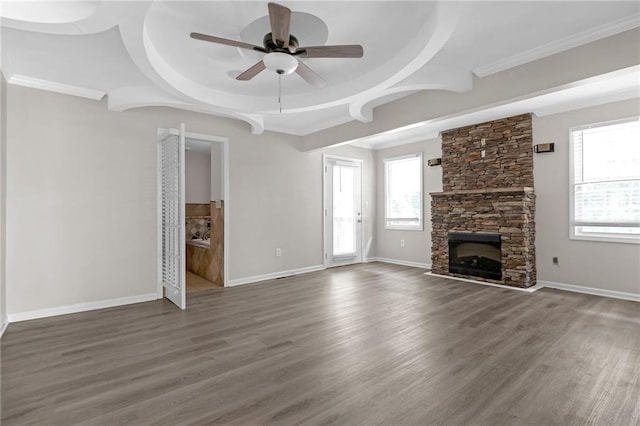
[140,53]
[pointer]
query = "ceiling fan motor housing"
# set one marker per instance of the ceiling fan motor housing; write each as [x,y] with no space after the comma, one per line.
[281,49]
[271,45]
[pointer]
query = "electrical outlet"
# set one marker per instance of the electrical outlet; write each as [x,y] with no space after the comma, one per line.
[555,260]
[483,153]
[401,243]
[278,252]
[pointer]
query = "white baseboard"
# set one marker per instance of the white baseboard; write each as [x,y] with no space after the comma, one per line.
[281,274]
[81,307]
[398,262]
[508,287]
[591,290]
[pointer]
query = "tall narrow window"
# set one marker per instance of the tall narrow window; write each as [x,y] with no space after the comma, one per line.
[605,187]
[403,192]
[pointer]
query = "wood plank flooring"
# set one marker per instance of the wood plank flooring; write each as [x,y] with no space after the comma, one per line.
[366,344]
[197,283]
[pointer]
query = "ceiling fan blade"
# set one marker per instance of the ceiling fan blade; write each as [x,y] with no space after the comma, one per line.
[227,42]
[309,75]
[251,72]
[343,51]
[280,17]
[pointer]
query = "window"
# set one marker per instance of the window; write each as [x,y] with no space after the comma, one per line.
[403,192]
[605,186]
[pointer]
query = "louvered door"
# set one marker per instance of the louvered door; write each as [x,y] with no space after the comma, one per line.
[171,163]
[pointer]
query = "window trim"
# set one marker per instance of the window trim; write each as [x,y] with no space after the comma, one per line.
[420,226]
[599,237]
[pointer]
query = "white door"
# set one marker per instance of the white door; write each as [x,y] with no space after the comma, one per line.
[172,217]
[342,211]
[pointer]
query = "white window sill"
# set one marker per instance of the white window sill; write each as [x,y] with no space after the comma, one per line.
[405,228]
[606,239]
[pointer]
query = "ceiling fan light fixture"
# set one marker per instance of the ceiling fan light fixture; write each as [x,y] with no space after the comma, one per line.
[281,63]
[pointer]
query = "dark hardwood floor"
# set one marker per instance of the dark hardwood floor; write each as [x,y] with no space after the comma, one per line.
[367,344]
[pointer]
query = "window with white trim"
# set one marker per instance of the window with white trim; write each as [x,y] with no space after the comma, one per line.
[605,181]
[403,192]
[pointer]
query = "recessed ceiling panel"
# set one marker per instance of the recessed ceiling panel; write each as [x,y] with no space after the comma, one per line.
[48,11]
[94,61]
[389,28]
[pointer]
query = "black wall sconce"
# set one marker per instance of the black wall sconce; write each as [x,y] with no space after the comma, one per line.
[543,147]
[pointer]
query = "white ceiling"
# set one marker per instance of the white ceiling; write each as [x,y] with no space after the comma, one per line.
[140,53]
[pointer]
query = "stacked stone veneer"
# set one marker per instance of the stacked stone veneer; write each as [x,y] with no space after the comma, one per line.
[491,194]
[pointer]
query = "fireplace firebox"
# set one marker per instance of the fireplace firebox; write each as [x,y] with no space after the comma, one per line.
[475,254]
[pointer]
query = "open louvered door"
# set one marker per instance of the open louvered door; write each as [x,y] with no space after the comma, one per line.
[172,216]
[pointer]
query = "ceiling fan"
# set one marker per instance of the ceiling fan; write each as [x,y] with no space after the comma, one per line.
[282,50]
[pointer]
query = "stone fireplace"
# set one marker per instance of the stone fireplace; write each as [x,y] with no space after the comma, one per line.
[483,222]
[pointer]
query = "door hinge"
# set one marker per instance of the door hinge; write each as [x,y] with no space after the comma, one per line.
[325,255]
[325,212]
[325,169]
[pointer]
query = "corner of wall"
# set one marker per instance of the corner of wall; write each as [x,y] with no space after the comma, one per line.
[3,201]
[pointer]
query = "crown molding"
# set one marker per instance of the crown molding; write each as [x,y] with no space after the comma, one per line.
[611,87]
[52,86]
[561,45]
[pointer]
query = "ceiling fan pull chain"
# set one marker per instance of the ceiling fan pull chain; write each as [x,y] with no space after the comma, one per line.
[280,91]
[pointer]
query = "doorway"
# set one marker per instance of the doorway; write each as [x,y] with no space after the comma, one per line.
[204,218]
[193,237]
[342,211]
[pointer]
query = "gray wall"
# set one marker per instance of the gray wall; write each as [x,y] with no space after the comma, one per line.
[609,266]
[217,172]
[81,202]
[613,53]
[198,177]
[417,247]
[600,265]
[3,198]
[82,199]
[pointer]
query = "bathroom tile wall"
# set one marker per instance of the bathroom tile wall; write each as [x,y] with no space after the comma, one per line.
[206,262]
[198,219]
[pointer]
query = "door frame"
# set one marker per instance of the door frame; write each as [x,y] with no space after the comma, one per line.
[165,132]
[325,251]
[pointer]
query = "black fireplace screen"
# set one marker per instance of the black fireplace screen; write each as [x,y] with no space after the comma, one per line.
[475,254]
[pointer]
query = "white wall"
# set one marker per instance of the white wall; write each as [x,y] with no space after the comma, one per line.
[605,266]
[197,177]
[608,266]
[82,199]
[417,247]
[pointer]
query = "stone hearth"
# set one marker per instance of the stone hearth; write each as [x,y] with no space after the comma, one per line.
[488,194]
